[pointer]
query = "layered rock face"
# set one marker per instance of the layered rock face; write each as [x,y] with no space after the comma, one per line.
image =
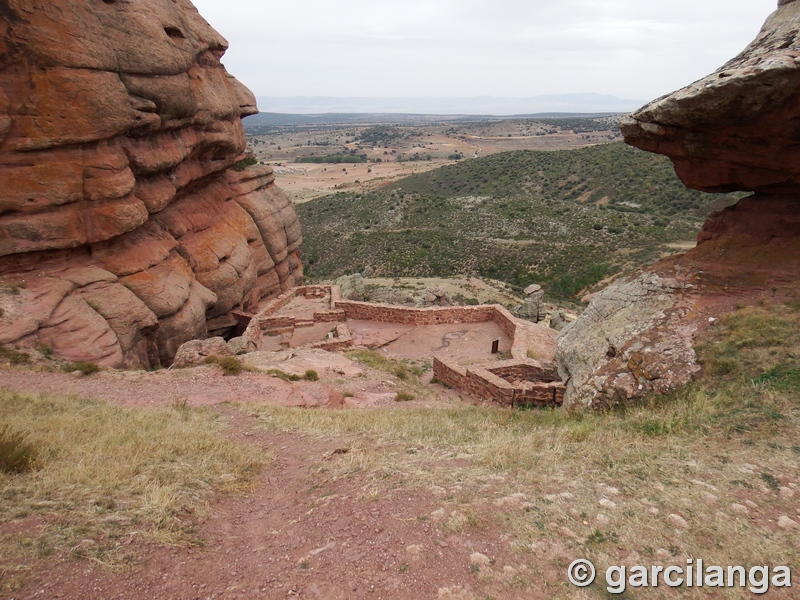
[121,216]
[737,129]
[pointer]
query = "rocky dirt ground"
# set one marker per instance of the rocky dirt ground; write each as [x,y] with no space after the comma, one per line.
[298,533]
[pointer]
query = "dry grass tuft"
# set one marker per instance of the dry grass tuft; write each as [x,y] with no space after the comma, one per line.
[84,368]
[14,357]
[17,454]
[105,473]
[407,374]
[230,365]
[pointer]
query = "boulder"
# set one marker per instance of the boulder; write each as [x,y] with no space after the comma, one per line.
[435,296]
[733,130]
[119,128]
[533,309]
[558,320]
[241,345]
[628,342]
[352,287]
[195,352]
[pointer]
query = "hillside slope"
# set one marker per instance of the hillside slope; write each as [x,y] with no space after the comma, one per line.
[565,219]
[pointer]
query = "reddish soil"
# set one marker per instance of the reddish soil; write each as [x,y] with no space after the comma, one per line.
[200,386]
[466,343]
[298,534]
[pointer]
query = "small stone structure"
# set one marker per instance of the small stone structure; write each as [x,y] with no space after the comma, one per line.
[515,382]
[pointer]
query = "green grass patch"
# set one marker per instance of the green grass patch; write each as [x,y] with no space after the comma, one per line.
[14,357]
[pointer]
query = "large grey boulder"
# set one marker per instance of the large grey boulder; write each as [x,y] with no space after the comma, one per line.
[353,287]
[630,340]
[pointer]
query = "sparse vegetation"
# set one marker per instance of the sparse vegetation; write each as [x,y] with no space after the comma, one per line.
[14,357]
[309,375]
[698,457]
[17,454]
[283,375]
[84,368]
[247,161]
[105,472]
[333,159]
[230,365]
[709,470]
[401,369]
[45,350]
[564,219]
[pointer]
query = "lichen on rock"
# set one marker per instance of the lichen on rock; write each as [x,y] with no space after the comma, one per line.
[628,342]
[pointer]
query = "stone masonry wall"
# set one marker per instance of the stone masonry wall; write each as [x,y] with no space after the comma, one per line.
[489,385]
[387,313]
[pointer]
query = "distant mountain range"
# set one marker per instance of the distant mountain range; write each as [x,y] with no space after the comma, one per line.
[478,105]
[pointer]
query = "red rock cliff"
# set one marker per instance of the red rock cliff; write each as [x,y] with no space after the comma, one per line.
[120,212]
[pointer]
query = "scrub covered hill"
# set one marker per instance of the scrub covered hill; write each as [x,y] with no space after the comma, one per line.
[564,219]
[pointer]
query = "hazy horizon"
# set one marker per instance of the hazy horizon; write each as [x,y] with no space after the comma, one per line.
[449,48]
[429,105]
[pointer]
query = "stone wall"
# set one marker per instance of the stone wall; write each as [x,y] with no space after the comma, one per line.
[525,370]
[520,381]
[388,313]
[534,383]
[342,341]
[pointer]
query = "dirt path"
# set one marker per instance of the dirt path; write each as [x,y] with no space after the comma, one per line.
[300,534]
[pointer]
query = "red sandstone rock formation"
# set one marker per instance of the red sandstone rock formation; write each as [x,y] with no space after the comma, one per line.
[736,129]
[119,207]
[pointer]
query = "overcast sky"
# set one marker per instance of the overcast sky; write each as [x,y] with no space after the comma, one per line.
[636,49]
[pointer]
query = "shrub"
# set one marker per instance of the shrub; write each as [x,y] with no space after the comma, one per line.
[230,365]
[45,350]
[404,397]
[15,357]
[85,368]
[400,371]
[247,161]
[311,375]
[283,375]
[17,455]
